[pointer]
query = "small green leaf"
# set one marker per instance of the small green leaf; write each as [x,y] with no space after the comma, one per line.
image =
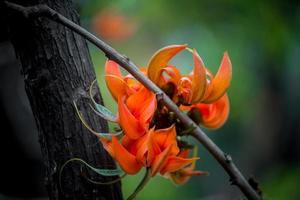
[101,110]
[103,172]
[104,113]
[109,135]
[108,172]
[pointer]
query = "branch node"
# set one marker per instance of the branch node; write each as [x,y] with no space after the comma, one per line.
[228,158]
[189,129]
[255,185]
[159,96]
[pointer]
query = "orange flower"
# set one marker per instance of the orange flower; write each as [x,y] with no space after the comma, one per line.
[212,115]
[136,104]
[118,84]
[195,87]
[182,175]
[156,150]
[112,25]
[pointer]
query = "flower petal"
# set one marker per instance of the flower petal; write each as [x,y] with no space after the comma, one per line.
[130,125]
[115,81]
[167,137]
[153,147]
[221,81]
[160,160]
[160,60]
[131,145]
[148,149]
[173,73]
[184,88]
[112,68]
[175,163]
[214,115]
[168,74]
[181,176]
[107,145]
[198,79]
[184,153]
[117,86]
[126,160]
[142,105]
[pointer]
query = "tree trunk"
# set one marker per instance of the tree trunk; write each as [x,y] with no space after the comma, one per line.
[57,70]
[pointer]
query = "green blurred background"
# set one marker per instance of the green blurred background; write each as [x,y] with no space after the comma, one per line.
[262,39]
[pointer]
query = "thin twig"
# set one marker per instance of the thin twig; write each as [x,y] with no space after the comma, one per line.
[225,160]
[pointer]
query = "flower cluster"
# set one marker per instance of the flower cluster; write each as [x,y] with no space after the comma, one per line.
[142,144]
[152,135]
[201,93]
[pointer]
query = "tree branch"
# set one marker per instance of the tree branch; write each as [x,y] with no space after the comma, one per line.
[224,159]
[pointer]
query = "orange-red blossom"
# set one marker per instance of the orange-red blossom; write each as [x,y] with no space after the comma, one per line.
[182,175]
[141,146]
[136,104]
[200,89]
[157,150]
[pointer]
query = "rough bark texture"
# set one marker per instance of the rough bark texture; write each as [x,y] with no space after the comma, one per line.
[57,70]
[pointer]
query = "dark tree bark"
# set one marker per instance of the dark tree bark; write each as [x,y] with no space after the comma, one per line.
[57,70]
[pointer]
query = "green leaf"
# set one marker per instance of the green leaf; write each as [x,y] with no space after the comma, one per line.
[109,135]
[104,113]
[108,172]
[103,172]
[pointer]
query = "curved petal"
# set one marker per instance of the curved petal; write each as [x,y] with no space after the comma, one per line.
[148,150]
[153,147]
[160,160]
[185,88]
[175,163]
[168,74]
[112,68]
[142,149]
[173,72]
[221,81]
[107,145]
[214,115]
[184,153]
[147,111]
[182,176]
[167,137]
[132,83]
[198,79]
[133,146]
[160,60]
[117,86]
[142,105]
[126,160]
[130,125]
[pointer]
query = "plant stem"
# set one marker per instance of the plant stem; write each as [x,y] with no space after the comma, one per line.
[224,159]
[142,184]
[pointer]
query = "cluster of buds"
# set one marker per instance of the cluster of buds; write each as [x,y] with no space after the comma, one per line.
[152,135]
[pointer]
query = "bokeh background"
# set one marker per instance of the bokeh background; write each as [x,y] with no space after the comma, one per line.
[263,40]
